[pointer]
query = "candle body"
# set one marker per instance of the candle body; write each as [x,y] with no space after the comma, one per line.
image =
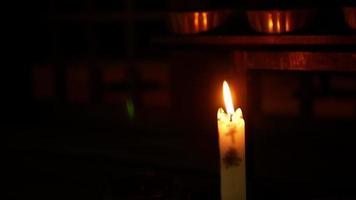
[231,129]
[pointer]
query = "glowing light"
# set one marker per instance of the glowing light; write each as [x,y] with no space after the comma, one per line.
[205,20]
[288,22]
[130,108]
[270,23]
[227,98]
[196,21]
[278,22]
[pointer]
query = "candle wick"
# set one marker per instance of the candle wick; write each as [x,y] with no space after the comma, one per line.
[230,117]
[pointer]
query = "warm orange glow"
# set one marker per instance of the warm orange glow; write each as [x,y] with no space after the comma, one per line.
[278,22]
[287,22]
[205,20]
[196,21]
[270,23]
[228,99]
[287,25]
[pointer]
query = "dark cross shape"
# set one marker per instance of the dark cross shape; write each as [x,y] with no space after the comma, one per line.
[232,158]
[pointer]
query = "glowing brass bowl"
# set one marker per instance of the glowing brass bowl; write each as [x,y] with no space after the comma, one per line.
[197,22]
[350,16]
[279,21]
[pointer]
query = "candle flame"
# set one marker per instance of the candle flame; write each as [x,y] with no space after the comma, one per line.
[227,98]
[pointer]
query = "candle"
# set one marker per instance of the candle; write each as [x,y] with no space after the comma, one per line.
[231,127]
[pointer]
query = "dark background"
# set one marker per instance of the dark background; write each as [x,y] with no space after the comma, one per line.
[99,111]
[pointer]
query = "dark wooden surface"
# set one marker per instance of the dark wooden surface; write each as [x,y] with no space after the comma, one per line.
[297,60]
[64,154]
[259,40]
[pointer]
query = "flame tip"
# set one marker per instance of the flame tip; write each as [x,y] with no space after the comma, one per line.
[227,98]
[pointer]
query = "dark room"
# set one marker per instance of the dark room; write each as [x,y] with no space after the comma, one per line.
[184,100]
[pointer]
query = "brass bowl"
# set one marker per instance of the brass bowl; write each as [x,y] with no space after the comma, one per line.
[279,21]
[197,21]
[350,16]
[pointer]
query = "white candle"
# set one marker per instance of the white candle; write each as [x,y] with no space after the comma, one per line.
[231,127]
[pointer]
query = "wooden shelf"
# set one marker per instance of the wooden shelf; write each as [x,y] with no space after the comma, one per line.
[297,61]
[260,40]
